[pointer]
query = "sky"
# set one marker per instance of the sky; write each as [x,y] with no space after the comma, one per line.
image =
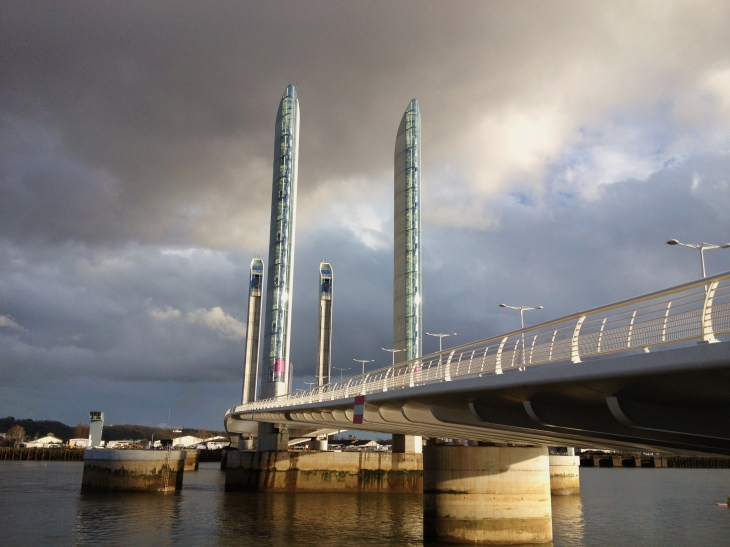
[563,143]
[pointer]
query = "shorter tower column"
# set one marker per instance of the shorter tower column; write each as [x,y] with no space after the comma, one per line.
[486,495]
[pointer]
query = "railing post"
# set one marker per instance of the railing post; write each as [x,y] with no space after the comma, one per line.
[532,347]
[574,349]
[447,370]
[708,336]
[498,363]
[514,353]
[666,319]
[600,335]
[631,329]
[552,344]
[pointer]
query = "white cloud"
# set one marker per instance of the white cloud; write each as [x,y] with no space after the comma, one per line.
[216,319]
[184,253]
[7,322]
[360,204]
[164,314]
[227,326]
[696,180]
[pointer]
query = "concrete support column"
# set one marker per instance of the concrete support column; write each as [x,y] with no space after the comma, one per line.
[486,495]
[564,475]
[246,444]
[407,444]
[318,444]
[272,438]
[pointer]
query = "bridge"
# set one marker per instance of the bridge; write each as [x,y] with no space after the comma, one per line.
[650,373]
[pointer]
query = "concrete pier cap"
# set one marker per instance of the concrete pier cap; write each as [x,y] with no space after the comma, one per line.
[133,470]
[486,495]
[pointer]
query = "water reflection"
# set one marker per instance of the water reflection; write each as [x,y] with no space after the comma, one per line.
[138,518]
[320,519]
[41,504]
[568,523]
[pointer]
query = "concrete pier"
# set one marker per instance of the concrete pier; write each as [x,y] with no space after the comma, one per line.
[272,437]
[192,459]
[407,444]
[486,495]
[564,475]
[136,470]
[319,444]
[323,471]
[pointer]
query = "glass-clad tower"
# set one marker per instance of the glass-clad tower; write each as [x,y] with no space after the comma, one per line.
[407,267]
[281,244]
[324,340]
[253,330]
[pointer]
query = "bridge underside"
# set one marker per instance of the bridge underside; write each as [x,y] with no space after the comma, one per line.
[676,400]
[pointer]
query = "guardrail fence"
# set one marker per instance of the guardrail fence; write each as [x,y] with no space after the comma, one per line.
[696,311]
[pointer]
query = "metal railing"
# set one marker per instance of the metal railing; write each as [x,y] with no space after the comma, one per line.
[699,311]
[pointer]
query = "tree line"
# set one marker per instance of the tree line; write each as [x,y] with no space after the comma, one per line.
[23,430]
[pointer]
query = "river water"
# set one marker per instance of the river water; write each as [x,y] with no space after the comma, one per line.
[41,504]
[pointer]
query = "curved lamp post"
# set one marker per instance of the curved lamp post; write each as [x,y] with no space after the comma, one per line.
[522,310]
[440,337]
[701,247]
[393,351]
[341,369]
[363,361]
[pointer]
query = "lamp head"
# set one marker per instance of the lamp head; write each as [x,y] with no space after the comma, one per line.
[503,305]
[726,246]
[539,308]
[672,242]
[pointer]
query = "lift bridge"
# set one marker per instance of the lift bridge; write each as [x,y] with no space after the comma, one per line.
[650,373]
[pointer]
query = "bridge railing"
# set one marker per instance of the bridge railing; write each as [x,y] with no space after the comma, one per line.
[696,311]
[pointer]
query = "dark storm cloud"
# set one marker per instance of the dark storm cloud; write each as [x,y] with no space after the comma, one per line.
[563,144]
[169,107]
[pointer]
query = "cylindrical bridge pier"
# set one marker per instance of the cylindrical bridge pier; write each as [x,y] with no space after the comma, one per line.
[486,495]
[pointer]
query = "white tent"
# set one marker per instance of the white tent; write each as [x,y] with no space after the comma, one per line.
[187,440]
[43,442]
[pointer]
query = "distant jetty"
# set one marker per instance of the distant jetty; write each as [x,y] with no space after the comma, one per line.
[75,454]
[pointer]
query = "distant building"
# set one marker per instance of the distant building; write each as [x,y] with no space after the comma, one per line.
[187,440]
[44,442]
[78,443]
[95,429]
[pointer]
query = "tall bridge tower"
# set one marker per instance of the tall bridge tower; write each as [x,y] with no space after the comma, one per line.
[324,340]
[407,333]
[277,330]
[253,330]
[407,292]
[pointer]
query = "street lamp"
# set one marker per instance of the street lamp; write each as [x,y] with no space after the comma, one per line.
[701,248]
[310,384]
[393,351]
[340,369]
[363,361]
[522,310]
[440,336]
